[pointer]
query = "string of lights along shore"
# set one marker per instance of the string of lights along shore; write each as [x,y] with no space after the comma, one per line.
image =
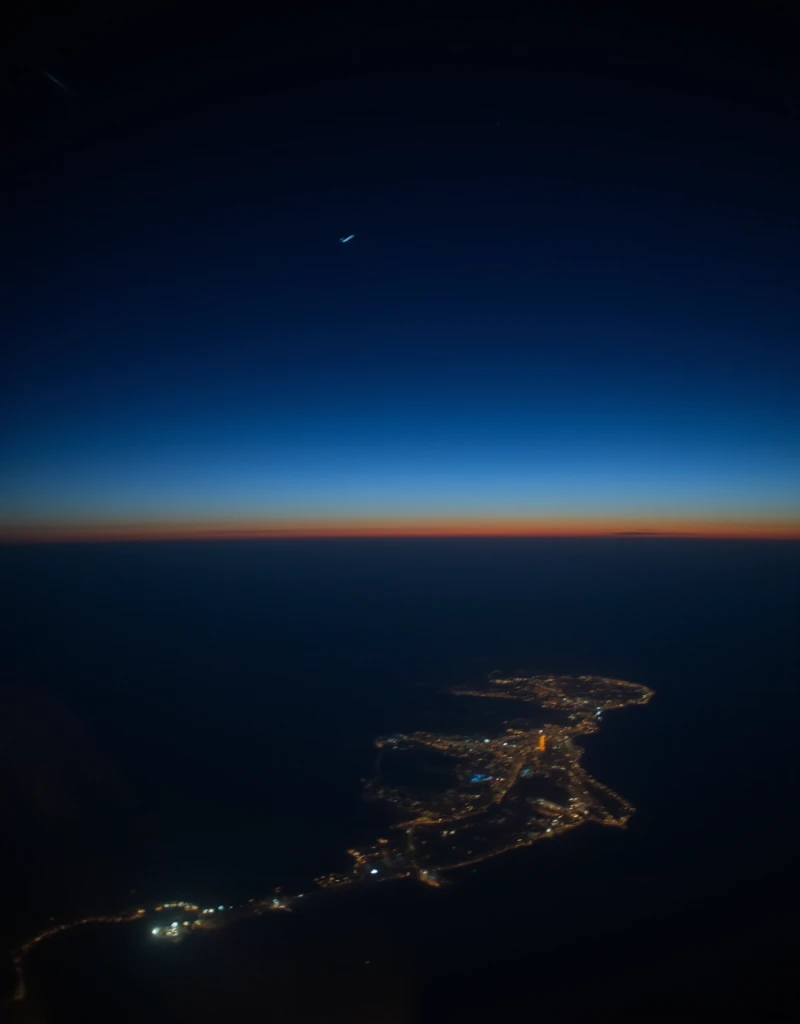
[510,788]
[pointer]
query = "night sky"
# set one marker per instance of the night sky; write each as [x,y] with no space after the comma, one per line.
[570,305]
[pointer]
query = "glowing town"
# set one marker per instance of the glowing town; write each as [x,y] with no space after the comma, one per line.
[499,791]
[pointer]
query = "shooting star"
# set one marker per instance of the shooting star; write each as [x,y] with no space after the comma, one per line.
[348,239]
[55,81]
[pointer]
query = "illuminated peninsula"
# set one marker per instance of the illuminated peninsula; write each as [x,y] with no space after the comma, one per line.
[499,790]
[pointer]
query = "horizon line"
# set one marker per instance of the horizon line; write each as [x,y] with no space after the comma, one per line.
[108,533]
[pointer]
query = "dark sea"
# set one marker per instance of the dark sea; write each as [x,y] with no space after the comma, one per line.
[195,721]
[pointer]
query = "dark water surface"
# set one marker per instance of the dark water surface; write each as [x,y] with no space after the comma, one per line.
[193,721]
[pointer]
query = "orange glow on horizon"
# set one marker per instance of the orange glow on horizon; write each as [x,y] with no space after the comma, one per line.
[253,529]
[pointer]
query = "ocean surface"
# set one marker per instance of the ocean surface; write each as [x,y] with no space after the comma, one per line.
[194,721]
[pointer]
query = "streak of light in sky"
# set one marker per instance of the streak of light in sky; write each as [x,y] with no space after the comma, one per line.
[55,81]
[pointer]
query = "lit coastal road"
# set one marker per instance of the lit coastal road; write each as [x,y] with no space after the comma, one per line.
[495,805]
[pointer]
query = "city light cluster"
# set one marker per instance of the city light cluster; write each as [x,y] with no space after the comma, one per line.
[509,790]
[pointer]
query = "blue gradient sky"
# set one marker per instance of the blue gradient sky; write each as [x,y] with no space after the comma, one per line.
[569,300]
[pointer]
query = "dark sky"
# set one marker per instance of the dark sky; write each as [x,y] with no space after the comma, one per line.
[570,303]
